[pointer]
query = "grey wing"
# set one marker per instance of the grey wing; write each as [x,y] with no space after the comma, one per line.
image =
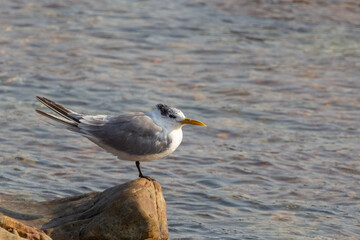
[133,133]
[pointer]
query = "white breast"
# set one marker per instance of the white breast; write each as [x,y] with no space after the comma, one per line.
[176,136]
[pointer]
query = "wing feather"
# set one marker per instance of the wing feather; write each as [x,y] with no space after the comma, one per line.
[134,134]
[59,109]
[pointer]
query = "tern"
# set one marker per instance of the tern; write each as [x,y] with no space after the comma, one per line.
[134,136]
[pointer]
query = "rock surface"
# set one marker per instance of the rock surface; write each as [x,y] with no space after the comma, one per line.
[13,229]
[134,210]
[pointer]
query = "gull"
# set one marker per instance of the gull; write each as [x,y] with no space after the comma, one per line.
[134,136]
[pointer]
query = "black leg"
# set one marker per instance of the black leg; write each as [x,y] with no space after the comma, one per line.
[138,167]
[140,173]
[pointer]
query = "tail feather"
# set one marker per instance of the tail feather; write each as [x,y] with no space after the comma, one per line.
[56,118]
[61,110]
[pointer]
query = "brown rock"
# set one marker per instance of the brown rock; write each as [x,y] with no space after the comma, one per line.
[10,228]
[7,235]
[134,210]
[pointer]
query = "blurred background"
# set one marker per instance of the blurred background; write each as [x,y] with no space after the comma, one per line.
[277,83]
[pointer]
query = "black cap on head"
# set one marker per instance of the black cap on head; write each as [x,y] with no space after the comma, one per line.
[164,109]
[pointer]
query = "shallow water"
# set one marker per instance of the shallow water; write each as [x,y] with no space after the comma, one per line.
[277,82]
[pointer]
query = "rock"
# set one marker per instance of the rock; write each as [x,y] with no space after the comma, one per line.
[7,235]
[13,229]
[134,210]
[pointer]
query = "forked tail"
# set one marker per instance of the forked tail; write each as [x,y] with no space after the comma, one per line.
[64,115]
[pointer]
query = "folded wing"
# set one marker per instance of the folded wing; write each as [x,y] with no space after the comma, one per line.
[133,133]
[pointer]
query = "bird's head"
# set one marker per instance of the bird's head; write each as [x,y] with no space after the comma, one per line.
[173,118]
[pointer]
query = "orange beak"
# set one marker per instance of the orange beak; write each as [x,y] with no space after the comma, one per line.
[192,122]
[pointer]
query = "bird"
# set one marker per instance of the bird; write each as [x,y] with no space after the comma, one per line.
[133,136]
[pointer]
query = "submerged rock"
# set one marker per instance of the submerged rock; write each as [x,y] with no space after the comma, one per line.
[134,210]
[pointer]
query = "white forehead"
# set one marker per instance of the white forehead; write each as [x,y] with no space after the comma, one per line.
[177,112]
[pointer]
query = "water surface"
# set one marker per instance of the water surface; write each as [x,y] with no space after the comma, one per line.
[277,83]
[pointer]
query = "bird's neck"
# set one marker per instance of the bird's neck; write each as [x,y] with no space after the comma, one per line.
[158,120]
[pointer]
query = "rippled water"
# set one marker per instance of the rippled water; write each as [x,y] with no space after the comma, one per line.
[277,82]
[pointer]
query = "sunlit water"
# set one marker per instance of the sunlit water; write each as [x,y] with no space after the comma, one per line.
[277,82]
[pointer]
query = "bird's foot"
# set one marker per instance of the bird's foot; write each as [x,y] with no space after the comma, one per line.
[147,177]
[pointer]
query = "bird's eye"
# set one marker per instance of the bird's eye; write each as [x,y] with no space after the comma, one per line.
[172,116]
